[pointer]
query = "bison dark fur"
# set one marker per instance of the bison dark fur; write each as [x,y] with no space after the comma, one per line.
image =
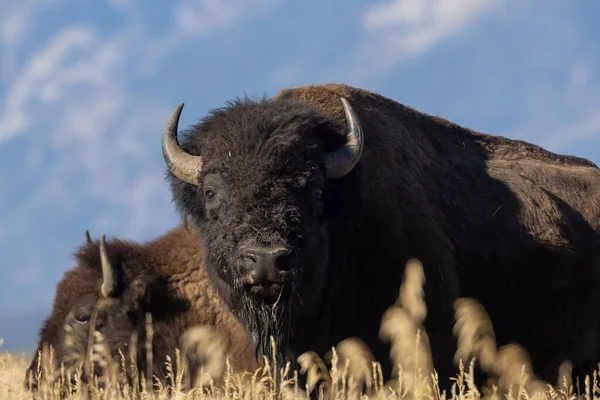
[500,220]
[164,277]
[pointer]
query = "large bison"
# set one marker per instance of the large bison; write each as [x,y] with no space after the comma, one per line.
[310,203]
[114,284]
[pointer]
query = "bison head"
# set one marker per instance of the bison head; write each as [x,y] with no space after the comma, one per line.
[95,329]
[260,180]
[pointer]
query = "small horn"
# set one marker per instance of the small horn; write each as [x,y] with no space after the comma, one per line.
[181,164]
[88,239]
[109,284]
[341,161]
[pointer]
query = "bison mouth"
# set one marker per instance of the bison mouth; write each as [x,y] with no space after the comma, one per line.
[266,271]
[270,292]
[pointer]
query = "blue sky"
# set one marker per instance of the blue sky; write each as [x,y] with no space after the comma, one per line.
[86,88]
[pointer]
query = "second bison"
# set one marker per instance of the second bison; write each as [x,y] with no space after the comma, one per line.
[113,286]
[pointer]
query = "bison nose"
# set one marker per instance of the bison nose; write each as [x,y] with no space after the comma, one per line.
[265,263]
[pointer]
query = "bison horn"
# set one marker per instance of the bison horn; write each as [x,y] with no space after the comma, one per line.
[181,164]
[341,161]
[109,284]
[88,239]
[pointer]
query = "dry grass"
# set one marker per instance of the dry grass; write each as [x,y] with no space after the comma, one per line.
[349,371]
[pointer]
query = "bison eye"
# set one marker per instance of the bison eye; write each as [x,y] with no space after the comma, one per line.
[82,318]
[209,194]
[318,194]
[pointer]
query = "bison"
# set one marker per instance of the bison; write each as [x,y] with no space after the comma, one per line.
[310,203]
[112,287]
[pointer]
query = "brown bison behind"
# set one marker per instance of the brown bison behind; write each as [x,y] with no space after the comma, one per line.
[309,205]
[114,285]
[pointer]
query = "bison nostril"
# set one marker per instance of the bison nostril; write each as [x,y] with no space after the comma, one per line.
[283,260]
[270,258]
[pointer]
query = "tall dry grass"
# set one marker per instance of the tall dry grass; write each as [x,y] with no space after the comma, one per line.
[200,370]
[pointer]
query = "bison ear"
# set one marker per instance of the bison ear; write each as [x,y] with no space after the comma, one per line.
[144,289]
[135,295]
[139,288]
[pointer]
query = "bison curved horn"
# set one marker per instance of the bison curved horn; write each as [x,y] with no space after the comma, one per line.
[342,160]
[109,284]
[181,164]
[88,239]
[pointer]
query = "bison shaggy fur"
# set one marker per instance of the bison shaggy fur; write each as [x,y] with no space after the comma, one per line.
[163,277]
[312,249]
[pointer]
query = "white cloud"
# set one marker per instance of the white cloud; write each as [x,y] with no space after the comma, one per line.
[94,137]
[73,95]
[560,105]
[586,128]
[43,70]
[197,17]
[18,17]
[194,17]
[401,29]
[580,95]
[75,88]
[153,209]
[14,27]
[144,207]
[392,13]
[17,21]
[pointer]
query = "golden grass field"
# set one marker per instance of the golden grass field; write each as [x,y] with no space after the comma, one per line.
[351,372]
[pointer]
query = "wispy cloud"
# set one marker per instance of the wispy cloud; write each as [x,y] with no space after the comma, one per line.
[197,17]
[42,80]
[398,30]
[194,19]
[17,20]
[586,128]
[563,114]
[93,130]
[76,88]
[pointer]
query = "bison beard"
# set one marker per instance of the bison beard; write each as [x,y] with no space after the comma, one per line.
[285,318]
[262,321]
